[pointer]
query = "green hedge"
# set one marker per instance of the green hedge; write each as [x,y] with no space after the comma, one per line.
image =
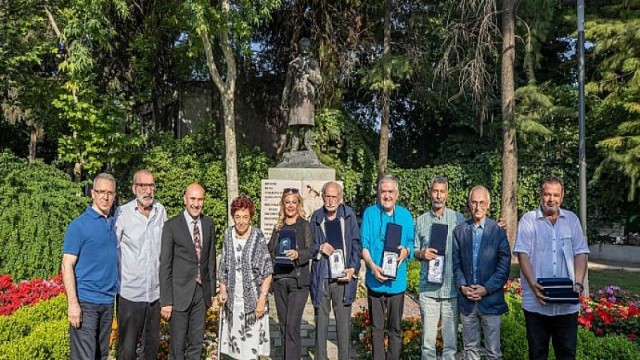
[37,202]
[40,331]
[590,347]
[177,163]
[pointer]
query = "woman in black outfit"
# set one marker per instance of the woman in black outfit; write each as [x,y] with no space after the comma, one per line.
[291,269]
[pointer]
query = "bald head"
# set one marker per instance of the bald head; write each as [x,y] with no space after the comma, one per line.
[194,199]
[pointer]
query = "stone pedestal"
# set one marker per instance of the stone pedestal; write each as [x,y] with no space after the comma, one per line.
[300,170]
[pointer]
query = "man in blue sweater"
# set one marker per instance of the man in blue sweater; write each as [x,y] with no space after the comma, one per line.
[385,295]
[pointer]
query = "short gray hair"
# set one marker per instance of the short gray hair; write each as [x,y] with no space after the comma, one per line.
[438,179]
[103,176]
[389,178]
[478,187]
[141,171]
[332,183]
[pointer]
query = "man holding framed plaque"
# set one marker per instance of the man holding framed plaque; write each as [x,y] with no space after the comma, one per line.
[334,271]
[387,240]
[438,293]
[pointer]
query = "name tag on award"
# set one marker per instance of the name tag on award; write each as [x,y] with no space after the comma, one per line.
[336,264]
[392,238]
[286,241]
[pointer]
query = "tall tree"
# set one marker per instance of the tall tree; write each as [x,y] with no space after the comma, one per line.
[471,48]
[509,145]
[229,26]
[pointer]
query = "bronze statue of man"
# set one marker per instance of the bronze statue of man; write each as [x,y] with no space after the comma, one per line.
[298,95]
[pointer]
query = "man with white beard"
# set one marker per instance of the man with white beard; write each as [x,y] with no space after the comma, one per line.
[139,230]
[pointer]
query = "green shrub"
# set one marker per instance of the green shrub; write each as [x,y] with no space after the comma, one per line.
[177,163]
[48,340]
[590,347]
[40,331]
[413,277]
[37,202]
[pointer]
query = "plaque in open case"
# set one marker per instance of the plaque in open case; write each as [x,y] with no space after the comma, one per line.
[438,241]
[286,241]
[392,238]
[333,232]
[336,264]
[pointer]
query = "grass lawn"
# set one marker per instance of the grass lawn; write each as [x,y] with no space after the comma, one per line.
[599,279]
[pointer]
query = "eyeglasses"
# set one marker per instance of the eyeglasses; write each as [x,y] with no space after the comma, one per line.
[480,204]
[104,193]
[145,186]
[291,190]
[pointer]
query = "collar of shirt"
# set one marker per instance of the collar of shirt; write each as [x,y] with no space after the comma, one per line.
[433,214]
[153,212]
[481,225]
[540,214]
[94,214]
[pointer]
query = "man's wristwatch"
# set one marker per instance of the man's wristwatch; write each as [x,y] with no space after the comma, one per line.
[581,286]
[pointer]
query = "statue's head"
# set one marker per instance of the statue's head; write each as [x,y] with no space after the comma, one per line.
[304,46]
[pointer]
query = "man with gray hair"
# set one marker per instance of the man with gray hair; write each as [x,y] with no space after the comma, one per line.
[335,234]
[438,294]
[90,273]
[481,261]
[139,230]
[383,224]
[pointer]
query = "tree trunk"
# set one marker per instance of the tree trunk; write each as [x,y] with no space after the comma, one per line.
[33,140]
[226,87]
[231,161]
[383,153]
[509,150]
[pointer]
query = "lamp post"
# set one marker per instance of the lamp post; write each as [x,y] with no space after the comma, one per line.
[581,120]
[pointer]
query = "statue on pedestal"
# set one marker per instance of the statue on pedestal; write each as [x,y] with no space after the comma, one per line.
[303,75]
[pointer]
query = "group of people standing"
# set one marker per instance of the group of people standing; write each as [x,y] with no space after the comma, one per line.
[157,267]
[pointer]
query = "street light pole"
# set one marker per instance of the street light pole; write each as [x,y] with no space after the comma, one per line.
[581,121]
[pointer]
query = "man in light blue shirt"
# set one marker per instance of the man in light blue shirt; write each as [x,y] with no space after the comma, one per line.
[550,243]
[385,295]
[139,230]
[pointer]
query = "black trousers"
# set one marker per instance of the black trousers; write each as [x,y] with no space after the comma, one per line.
[387,307]
[290,302]
[91,339]
[561,329]
[187,329]
[138,320]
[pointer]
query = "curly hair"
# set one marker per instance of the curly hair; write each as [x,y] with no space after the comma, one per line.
[243,202]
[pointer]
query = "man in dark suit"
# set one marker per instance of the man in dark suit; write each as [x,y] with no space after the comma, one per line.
[187,274]
[481,261]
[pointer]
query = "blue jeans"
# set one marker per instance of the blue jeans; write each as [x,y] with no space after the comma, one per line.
[562,329]
[432,311]
[471,325]
[91,339]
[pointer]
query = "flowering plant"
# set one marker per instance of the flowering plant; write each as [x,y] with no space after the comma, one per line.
[26,292]
[611,310]
[608,311]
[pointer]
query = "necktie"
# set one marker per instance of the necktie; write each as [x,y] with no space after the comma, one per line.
[198,245]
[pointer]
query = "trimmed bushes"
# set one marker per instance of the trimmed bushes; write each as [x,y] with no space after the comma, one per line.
[36,332]
[37,202]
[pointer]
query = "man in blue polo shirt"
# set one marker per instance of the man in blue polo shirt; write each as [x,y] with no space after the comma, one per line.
[385,295]
[90,273]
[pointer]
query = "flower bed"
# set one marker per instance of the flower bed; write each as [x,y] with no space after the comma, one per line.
[411,336]
[611,310]
[25,293]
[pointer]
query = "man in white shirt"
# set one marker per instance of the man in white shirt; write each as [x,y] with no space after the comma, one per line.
[550,243]
[139,231]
